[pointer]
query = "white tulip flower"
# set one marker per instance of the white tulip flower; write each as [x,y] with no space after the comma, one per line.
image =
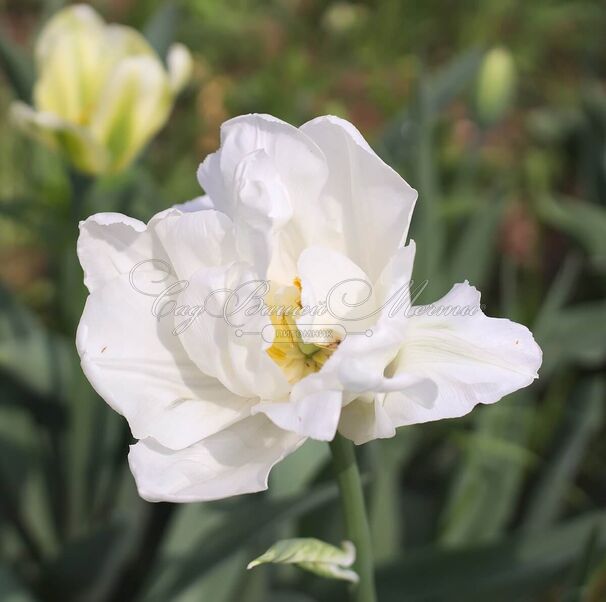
[102,92]
[217,380]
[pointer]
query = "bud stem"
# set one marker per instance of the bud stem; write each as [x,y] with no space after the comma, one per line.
[354,513]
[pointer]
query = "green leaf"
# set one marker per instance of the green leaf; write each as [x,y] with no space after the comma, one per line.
[289,597]
[584,221]
[11,590]
[161,27]
[427,226]
[569,335]
[579,586]
[241,525]
[582,422]
[454,79]
[85,563]
[573,335]
[19,70]
[487,485]
[37,367]
[558,294]
[297,470]
[20,470]
[40,359]
[389,458]
[479,235]
[190,525]
[313,555]
[511,569]
[399,141]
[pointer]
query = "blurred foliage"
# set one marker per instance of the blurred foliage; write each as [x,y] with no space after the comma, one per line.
[505,504]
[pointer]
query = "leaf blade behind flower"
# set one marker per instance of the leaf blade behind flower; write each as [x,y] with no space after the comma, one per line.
[509,569]
[239,528]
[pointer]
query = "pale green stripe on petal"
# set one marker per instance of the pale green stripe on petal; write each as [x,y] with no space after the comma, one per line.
[117,43]
[134,105]
[312,555]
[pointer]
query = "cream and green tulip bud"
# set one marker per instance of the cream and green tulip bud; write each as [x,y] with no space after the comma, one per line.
[496,85]
[102,92]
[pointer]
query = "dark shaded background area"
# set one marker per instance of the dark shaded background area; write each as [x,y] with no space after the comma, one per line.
[507,504]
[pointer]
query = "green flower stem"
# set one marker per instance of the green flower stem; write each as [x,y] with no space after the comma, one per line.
[354,511]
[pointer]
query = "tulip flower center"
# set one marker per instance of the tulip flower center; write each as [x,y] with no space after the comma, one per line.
[296,357]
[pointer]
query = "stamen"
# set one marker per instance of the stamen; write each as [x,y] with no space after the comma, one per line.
[295,357]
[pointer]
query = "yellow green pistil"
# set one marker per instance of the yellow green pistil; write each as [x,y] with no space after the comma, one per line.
[295,357]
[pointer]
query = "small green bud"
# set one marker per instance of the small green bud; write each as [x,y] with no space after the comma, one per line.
[496,85]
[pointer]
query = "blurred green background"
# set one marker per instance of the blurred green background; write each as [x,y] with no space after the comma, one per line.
[507,148]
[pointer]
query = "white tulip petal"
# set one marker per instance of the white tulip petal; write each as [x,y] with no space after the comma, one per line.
[358,365]
[136,363]
[302,179]
[361,372]
[200,203]
[471,359]
[360,361]
[262,208]
[328,277]
[232,349]
[393,286]
[281,141]
[129,354]
[197,239]
[376,416]
[110,245]
[234,461]
[375,203]
[313,409]
[364,420]
[211,178]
